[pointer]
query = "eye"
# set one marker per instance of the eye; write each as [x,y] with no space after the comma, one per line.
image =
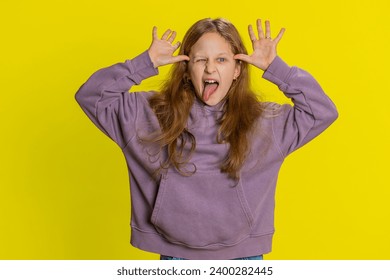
[221,59]
[200,60]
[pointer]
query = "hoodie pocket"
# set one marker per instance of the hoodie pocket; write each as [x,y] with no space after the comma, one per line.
[202,210]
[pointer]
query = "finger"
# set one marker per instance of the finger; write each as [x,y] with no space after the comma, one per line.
[166,34]
[260,29]
[172,37]
[280,35]
[251,33]
[154,33]
[267,29]
[176,46]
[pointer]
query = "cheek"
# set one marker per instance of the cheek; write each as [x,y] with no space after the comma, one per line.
[195,75]
[229,74]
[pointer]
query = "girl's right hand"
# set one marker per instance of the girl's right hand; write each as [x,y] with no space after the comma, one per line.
[161,50]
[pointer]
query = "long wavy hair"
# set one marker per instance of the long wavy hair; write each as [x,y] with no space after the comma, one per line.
[173,104]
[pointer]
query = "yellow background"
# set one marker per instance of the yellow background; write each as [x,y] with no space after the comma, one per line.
[63,184]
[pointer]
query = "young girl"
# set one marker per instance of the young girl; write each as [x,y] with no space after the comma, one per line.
[204,154]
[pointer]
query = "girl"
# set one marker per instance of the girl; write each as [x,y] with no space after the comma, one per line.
[203,154]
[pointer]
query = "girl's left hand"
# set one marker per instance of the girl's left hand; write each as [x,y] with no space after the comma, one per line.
[264,47]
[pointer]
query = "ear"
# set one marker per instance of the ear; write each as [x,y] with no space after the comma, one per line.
[237,70]
[186,77]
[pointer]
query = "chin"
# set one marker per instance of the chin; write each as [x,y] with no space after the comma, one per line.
[211,102]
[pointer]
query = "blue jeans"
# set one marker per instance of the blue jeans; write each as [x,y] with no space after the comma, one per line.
[260,257]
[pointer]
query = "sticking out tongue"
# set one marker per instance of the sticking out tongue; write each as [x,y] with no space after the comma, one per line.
[208,90]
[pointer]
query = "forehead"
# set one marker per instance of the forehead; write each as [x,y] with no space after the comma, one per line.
[209,44]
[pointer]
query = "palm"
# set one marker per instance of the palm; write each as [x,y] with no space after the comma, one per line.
[264,48]
[264,51]
[161,50]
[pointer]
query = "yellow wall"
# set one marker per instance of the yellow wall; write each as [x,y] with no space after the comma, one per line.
[63,185]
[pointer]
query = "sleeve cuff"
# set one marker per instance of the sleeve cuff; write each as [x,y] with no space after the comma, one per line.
[277,72]
[141,67]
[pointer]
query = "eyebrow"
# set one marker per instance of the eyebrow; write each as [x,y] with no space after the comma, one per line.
[222,53]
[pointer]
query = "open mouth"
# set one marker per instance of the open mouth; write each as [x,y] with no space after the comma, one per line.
[210,86]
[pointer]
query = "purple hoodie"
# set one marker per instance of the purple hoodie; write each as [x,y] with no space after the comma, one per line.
[205,215]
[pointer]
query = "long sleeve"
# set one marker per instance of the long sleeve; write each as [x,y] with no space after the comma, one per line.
[105,99]
[311,114]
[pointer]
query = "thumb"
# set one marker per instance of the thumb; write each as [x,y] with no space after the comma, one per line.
[243,57]
[180,58]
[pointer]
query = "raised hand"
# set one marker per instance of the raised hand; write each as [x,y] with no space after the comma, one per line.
[264,47]
[161,50]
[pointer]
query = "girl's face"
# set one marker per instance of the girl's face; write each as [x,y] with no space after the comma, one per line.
[212,68]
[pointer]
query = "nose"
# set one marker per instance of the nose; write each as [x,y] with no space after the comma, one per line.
[210,67]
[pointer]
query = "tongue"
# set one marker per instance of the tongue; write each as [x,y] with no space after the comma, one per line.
[208,90]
